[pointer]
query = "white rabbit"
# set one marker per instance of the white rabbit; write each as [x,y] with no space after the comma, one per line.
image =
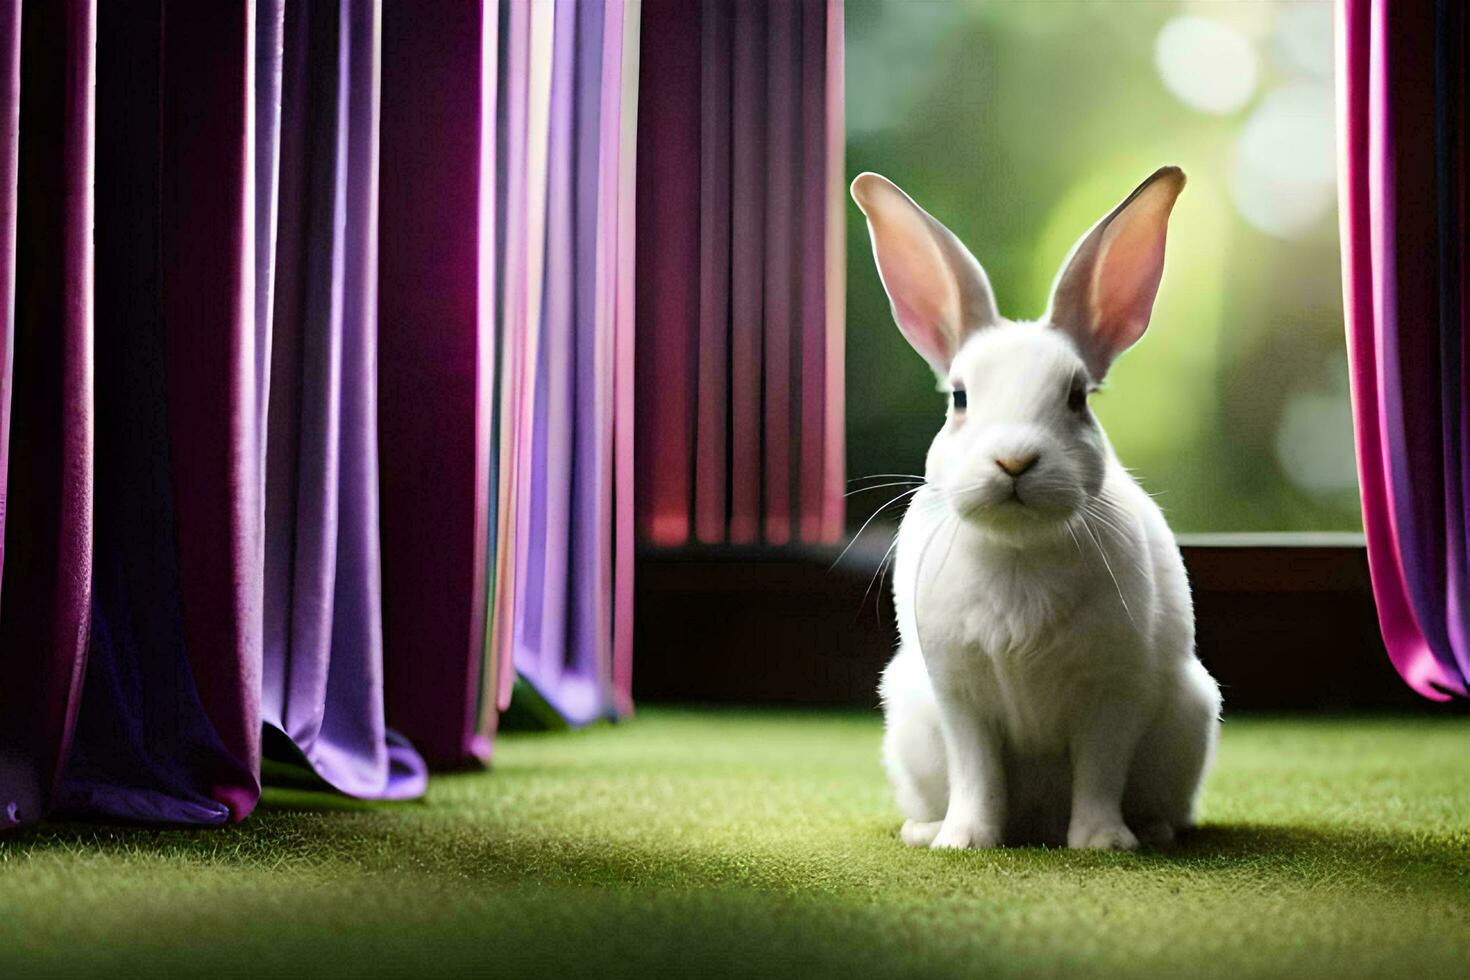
[1045,688]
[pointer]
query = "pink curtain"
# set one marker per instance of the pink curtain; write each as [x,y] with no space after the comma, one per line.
[740,300]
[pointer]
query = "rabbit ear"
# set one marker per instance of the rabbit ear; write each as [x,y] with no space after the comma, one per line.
[939,292]
[1105,292]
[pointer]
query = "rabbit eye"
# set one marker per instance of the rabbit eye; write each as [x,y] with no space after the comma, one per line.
[1077,397]
[958,396]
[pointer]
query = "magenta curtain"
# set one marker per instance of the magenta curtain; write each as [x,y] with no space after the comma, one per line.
[436,336]
[50,64]
[161,732]
[1403,128]
[315,391]
[740,299]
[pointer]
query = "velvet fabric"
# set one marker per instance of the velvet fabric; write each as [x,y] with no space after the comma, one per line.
[49,76]
[316,409]
[322,683]
[146,745]
[435,374]
[566,583]
[1403,127]
[740,292]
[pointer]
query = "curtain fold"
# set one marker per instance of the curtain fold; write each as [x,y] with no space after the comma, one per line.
[435,374]
[617,244]
[207,237]
[323,641]
[48,489]
[1403,124]
[146,746]
[559,454]
[549,511]
[740,284]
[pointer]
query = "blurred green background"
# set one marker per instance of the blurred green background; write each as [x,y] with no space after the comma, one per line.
[1019,124]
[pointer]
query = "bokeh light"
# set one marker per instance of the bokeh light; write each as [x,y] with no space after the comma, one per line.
[1208,65]
[1285,174]
[1303,39]
[1314,444]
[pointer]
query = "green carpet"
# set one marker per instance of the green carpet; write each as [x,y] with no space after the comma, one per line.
[759,844]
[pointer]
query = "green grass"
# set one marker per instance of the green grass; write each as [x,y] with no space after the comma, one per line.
[755,843]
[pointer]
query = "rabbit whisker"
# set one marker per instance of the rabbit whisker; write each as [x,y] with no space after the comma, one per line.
[1073,533]
[1109,566]
[878,578]
[887,476]
[880,486]
[1109,515]
[870,520]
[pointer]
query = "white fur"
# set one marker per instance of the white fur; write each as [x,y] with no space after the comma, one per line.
[1045,689]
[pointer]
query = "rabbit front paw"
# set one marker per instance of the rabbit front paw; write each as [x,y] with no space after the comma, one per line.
[1110,835]
[963,835]
[919,833]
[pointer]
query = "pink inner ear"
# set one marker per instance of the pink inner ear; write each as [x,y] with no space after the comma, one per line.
[924,303]
[920,284]
[1125,278]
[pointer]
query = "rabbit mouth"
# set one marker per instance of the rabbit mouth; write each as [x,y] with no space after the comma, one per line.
[1009,508]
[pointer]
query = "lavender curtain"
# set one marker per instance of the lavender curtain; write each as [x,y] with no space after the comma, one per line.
[322,682]
[563,597]
[1403,128]
[740,301]
[506,497]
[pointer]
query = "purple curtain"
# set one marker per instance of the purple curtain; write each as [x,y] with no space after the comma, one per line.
[322,682]
[562,592]
[740,425]
[1403,129]
[562,629]
[356,279]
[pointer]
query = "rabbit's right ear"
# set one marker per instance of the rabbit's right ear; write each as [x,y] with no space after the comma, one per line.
[1104,295]
[940,294]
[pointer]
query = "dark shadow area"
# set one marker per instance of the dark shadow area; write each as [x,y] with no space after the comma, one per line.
[1282,627]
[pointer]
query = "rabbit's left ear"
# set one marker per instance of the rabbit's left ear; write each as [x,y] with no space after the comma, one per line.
[939,293]
[1104,295]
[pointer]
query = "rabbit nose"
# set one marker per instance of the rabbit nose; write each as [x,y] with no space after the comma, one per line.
[1016,465]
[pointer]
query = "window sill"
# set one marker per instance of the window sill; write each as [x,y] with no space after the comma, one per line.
[1285,622]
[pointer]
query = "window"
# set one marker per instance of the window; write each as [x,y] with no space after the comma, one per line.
[1020,124]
